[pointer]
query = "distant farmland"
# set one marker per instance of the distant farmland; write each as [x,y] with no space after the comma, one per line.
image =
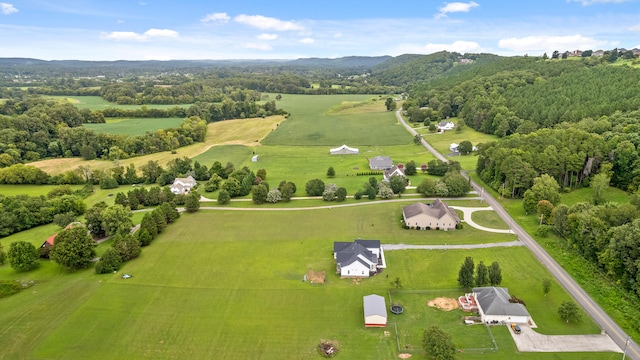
[98,103]
[134,126]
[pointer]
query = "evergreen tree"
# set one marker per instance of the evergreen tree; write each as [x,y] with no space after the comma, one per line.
[465,275]
[495,274]
[482,274]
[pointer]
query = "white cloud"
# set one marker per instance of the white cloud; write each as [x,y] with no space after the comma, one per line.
[267,23]
[216,17]
[456,7]
[307,40]
[591,2]
[268,37]
[550,43]
[635,28]
[147,35]
[264,47]
[7,9]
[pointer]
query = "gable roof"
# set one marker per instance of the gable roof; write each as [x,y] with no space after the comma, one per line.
[347,253]
[437,210]
[394,170]
[374,305]
[380,162]
[495,301]
[189,180]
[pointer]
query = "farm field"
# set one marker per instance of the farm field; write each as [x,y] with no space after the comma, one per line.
[330,120]
[98,103]
[133,126]
[245,131]
[209,287]
[230,293]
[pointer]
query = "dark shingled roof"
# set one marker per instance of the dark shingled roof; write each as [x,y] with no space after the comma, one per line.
[347,252]
[495,301]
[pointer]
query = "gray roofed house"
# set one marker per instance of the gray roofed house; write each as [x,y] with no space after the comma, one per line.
[360,258]
[380,163]
[493,305]
[395,170]
[436,215]
[375,311]
[183,185]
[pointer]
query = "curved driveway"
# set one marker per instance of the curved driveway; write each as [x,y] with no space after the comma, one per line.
[594,310]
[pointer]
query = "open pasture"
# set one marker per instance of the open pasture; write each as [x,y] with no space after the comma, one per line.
[134,126]
[245,131]
[303,163]
[98,103]
[331,120]
[220,285]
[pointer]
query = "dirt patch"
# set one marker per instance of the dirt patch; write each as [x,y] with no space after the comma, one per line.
[404,356]
[316,277]
[446,304]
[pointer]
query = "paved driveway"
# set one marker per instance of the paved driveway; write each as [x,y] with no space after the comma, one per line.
[530,341]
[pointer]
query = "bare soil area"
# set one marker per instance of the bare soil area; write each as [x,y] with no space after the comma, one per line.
[446,304]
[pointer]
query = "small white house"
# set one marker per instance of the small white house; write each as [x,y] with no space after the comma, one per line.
[360,258]
[446,125]
[254,158]
[375,311]
[183,185]
[395,170]
[453,147]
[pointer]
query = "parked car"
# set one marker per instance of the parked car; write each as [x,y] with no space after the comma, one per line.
[516,328]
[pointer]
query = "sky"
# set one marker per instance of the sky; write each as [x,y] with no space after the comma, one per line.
[277,29]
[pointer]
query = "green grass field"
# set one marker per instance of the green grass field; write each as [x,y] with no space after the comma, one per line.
[335,120]
[221,293]
[98,103]
[227,284]
[134,126]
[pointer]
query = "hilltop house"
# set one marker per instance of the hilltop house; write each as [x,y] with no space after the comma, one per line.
[493,305]
[380,163]
[360,258]
[437,216]
[183,185]
[344,150]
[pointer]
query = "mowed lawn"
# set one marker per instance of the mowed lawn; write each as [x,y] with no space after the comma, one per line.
[330,120]
[134,126]
[220,285]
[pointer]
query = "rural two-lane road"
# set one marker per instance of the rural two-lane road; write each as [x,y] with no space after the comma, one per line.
[604,321]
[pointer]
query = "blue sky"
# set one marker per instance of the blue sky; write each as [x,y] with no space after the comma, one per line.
[241,29]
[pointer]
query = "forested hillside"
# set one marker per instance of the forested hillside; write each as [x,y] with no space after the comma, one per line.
[563,124]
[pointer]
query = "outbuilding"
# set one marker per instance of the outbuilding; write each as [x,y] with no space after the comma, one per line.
[375,311]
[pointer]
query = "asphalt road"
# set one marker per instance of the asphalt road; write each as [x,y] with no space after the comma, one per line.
[604,321]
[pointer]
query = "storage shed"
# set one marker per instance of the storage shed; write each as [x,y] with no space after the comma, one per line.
[375,311]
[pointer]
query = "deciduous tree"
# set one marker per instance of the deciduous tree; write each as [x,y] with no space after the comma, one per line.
[438,344]
[109,262]
[74,248]
[568,311]
[23,256]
